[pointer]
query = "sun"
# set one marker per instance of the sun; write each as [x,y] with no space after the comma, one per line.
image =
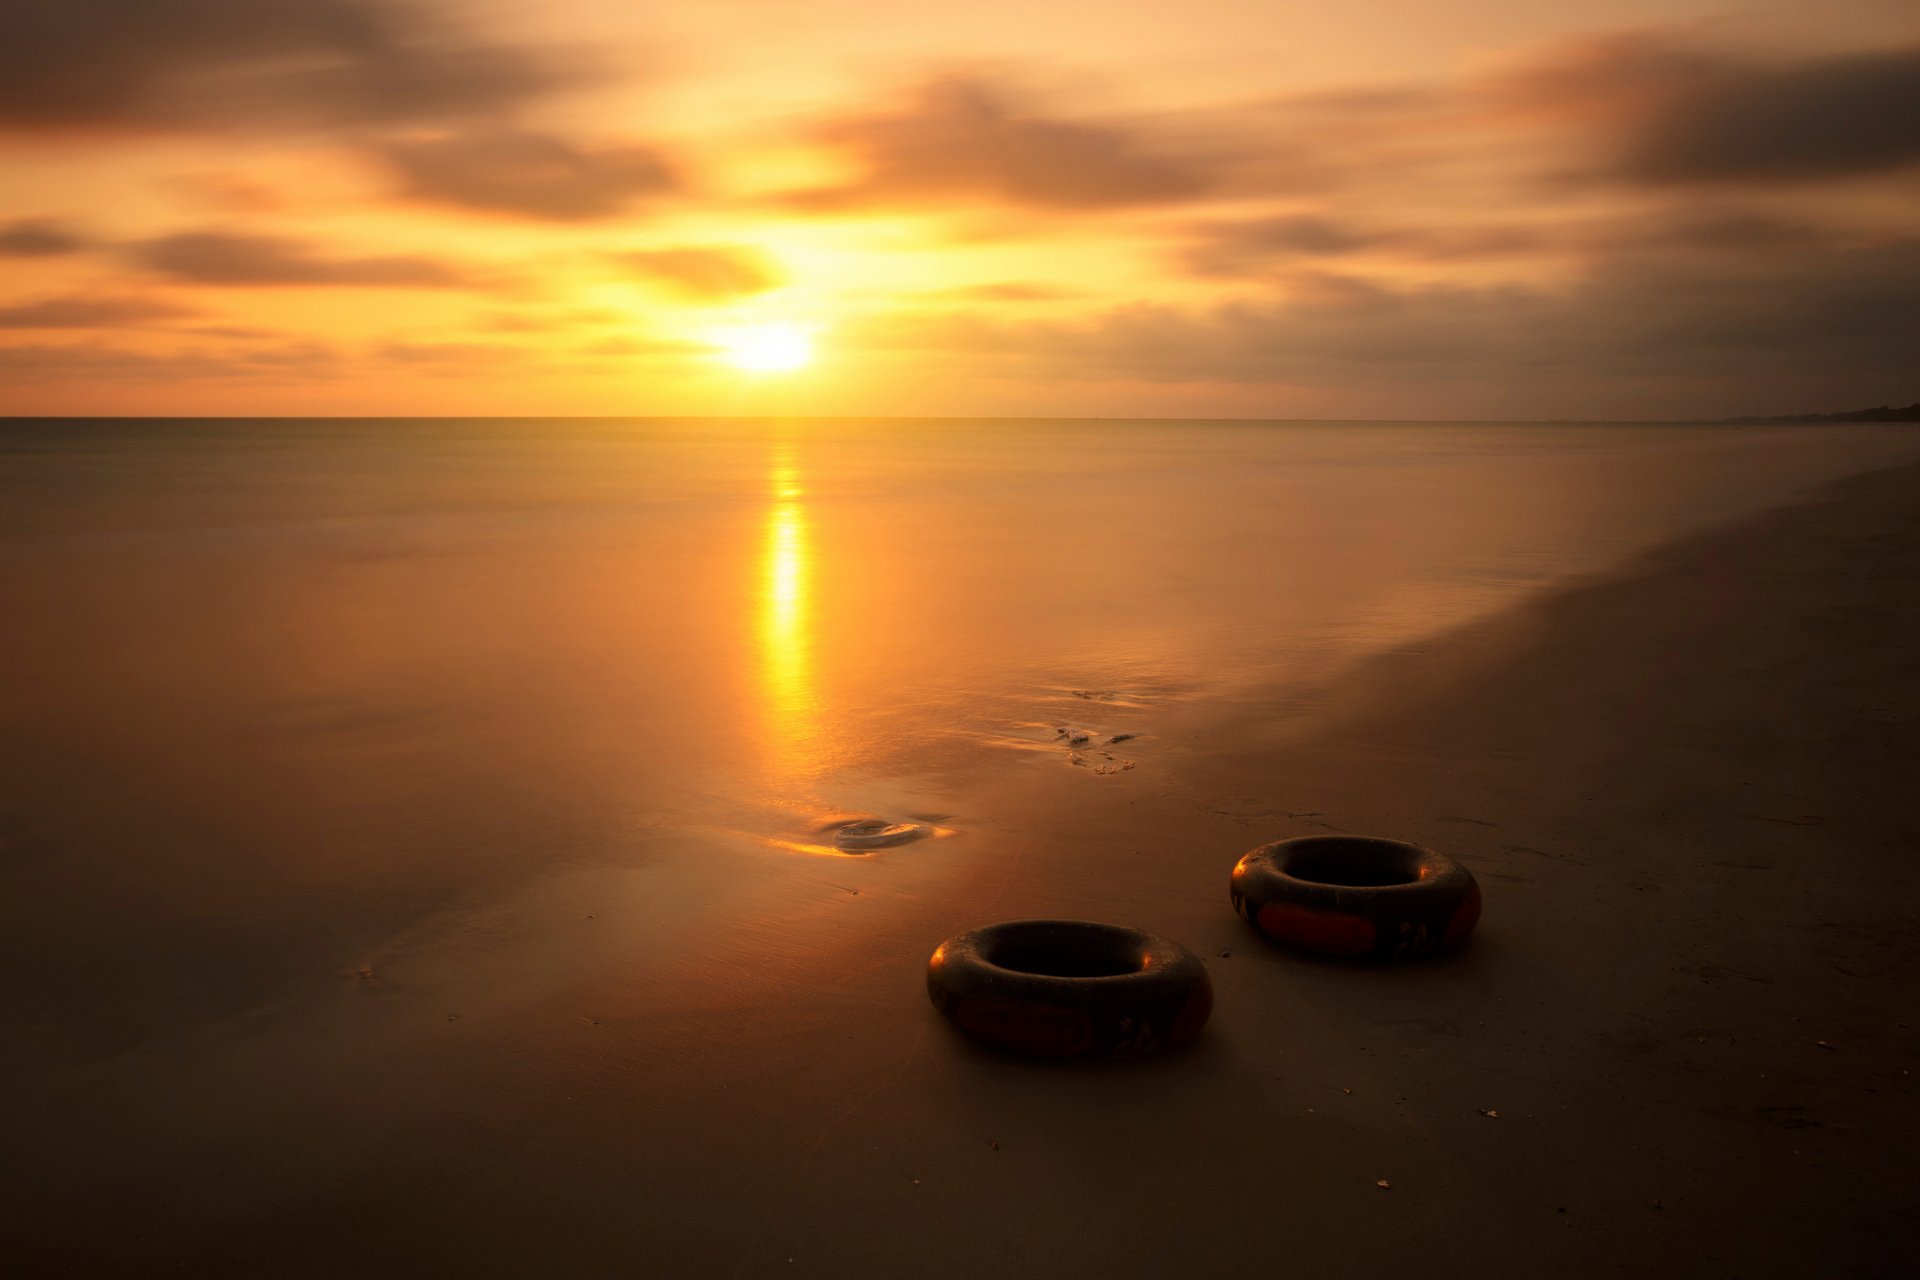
[767,348]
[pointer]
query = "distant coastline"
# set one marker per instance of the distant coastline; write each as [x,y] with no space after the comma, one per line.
[1884,413]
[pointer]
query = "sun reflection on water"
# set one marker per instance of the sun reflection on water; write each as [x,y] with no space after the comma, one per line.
[786,640]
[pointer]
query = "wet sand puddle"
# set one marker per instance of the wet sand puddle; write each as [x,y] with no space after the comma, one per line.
[844,835]
[864,835]
[1086,742]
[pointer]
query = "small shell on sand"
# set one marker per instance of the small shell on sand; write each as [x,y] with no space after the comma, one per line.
[877,833]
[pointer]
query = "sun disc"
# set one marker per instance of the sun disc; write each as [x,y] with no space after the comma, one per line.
[767,348]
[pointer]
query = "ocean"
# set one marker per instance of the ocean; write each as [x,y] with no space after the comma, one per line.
[281,694]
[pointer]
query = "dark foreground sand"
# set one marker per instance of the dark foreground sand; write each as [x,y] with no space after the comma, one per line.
[1685,791]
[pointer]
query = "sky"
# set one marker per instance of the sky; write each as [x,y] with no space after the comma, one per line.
[1223,208]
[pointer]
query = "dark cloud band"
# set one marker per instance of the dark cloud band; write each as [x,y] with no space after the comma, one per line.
[965,139]
[40,238]
[533,175]
[1829,118]
[147,64]
[227,258]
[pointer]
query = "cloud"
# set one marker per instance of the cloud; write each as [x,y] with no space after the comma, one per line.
[628,347]
[291,360]
[239,332]
[710,272]
[39,238]
[1299,234]
[1260,245]
[237,63]
[1269,248]
[1012,291]
[962,139]
[89,313]
[533,175]
[1718,328]
[1611,74]
[231,193]
[1235,249]
[1707,231]
[457,355]
[226,258]
[1670,113]
[1825,118]
[562,321]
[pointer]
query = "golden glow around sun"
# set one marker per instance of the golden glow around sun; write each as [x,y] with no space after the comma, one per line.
[770,347]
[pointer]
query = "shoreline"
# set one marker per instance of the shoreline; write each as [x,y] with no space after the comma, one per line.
[1679,785]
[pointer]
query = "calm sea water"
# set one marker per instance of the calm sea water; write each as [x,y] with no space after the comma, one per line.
[277,691]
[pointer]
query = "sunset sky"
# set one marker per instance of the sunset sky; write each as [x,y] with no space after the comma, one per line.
[1503,208]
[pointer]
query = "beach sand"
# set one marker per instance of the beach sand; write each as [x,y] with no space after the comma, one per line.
[1678,1045]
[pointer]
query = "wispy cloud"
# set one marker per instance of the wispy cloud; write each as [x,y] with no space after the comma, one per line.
[1663,111]
[1234,249]
[295,360]
[707,272]
[1809,121]
[1810,317]
[239,64]
[448,355]
[232,258]
[1012,291]
[90,312]
[533,175]
[1643,209]
[40,238]
[966,139]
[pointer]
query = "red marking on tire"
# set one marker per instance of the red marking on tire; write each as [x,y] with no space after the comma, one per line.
[1192,1016]
[1465,916]
[1030,1028]
[1331,933]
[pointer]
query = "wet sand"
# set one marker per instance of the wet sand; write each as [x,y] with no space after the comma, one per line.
[1689,1002]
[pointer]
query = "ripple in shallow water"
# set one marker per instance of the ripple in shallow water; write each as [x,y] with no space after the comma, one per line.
[877,833]
[855,836]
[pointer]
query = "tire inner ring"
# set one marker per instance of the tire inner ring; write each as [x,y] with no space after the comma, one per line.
[1057,954]
[1355,862]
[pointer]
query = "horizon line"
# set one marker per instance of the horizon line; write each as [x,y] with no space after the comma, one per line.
[1813,418]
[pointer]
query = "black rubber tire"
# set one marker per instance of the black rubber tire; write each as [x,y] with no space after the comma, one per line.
[1355,896]
[1070,989]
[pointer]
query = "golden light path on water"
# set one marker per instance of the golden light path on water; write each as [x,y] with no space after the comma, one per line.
[786,641]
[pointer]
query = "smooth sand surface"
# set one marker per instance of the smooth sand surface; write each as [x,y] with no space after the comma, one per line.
[1685,790]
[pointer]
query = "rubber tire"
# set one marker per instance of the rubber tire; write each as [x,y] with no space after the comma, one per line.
[1275,890]
[1159,1001]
